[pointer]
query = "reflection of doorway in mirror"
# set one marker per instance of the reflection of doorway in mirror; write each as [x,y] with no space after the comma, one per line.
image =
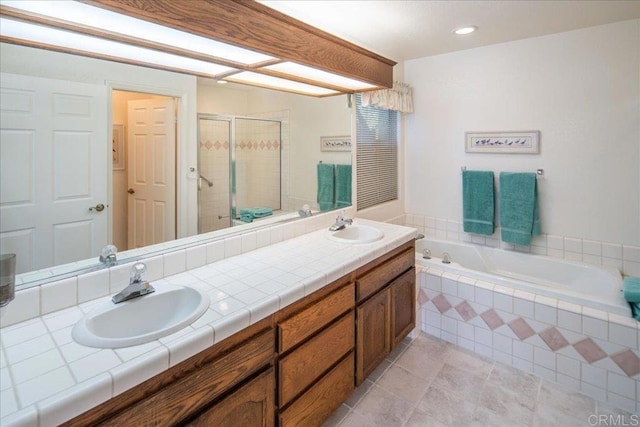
[54,171]
[144,204]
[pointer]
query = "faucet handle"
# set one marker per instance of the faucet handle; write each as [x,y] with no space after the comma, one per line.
[137,271]
[108,254]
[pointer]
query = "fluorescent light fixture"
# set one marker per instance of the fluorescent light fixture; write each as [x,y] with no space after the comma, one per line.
[95,17]
[89,44]
[310,73]
[263,80]
[465,30]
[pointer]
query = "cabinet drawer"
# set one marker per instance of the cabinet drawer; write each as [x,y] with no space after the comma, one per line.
[194,391]
[377,278]
[306,364]
[319,402]
[313,318]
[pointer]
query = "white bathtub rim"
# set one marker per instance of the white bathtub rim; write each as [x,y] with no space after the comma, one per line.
[617,305]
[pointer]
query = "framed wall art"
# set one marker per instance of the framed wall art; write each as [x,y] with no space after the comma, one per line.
[335,143]
[518,142]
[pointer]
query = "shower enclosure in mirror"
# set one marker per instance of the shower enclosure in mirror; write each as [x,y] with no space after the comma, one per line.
[239,167]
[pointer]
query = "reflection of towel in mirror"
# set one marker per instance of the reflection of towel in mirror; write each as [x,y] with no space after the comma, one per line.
[343,186]
[518,207]
[249,214]
[478,202]
[326,192]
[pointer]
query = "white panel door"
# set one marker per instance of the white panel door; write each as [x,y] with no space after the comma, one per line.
[152,173]
[53,168]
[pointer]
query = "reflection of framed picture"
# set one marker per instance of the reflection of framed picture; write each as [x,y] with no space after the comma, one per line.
[526,142]
[335,143]
[118,147]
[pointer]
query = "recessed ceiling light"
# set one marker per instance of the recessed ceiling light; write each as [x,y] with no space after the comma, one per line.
[465,30]
[222,82]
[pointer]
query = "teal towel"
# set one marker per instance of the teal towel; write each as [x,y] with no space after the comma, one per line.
[478,202]
[635,310]
[343,186]
[326,185]
[518,207]
[631,289]
[246,218]
[256,212]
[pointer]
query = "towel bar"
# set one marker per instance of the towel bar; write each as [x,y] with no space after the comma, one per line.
[539,172]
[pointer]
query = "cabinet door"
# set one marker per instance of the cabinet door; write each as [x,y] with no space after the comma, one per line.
[373,334]
[252,405]
[403,306]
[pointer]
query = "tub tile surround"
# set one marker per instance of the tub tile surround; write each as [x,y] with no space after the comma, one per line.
[46,377]
[625,258]
[591,351]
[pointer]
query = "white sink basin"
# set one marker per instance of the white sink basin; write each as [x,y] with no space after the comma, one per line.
[140,320]
[356,234]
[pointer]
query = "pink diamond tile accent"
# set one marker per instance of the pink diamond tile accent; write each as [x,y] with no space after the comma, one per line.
[554,339]
[441,303]
[589,350]
[521,328]
[466,311]
[492,319]
[628,362]
[422,297]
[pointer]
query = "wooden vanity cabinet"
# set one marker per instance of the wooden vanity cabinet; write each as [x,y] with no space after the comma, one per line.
[293,368]
[385,311]
[235,376]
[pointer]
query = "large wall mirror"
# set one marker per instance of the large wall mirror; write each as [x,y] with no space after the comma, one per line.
[95,152]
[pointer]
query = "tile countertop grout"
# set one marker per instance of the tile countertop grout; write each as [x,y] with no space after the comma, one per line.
[59,379]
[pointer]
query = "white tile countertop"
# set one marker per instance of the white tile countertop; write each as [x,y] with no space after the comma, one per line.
[46,378]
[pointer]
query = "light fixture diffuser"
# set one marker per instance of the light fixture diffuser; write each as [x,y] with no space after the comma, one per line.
[310,73]
[262,80]
[95,45]
[105,20]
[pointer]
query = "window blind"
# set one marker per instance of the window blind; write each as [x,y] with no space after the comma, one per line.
[377,155]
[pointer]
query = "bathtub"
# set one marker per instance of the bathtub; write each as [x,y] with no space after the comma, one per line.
[598,287]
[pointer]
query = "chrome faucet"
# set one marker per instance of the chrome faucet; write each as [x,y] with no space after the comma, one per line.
[108,255]
[341,222]
[305,211]
[137,287]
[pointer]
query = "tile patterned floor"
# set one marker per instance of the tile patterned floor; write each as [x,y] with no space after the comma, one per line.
[428,382]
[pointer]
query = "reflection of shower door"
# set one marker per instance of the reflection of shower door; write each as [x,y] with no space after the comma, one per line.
[239,165]
[257,147]
[214,201]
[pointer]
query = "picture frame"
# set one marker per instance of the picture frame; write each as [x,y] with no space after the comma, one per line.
[118,144]
[335,143]
[514,142]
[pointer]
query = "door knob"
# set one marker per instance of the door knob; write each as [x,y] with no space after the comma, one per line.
[131,191]
[99,207]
